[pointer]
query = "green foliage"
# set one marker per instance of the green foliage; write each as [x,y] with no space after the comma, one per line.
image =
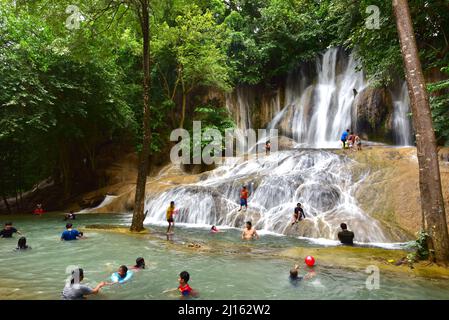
[212,118]
[440,108]
[421,248]
[65,93]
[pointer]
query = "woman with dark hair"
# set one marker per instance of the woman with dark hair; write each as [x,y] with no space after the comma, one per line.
[22,244]
[74,290]
[140,264]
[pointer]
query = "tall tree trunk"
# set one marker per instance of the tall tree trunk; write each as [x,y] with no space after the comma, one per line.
[432,203]
[138,215]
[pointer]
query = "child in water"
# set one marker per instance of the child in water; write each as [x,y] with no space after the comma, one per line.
[121,275]
[184,287]
[22,244]
[294,278]
[140,264]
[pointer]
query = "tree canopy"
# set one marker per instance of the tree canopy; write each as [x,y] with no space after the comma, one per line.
[70,87]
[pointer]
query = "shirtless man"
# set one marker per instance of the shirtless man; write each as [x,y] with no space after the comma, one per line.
[249,232]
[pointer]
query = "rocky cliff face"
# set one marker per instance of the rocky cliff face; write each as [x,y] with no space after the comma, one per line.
[374,114]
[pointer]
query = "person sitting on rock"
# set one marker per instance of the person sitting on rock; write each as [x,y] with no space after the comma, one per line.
[345,236]
[299,214]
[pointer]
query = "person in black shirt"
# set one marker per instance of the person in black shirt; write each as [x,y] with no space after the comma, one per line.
[22,244]
[299,214]
[345,236]
[8,231]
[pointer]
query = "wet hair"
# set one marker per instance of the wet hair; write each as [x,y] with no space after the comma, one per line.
[68,225]
[124,268]
[172,203]
[298,204]
[347,130]
[293,273]
[140,263]
[22,243]
[185,276]
[77,272]
[343,226]
[249,222]
[244,187]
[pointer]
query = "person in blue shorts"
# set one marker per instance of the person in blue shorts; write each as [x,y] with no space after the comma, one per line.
[244,198]
[71,234]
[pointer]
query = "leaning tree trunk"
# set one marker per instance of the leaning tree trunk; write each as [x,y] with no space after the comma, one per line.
[138,215]
[432,202]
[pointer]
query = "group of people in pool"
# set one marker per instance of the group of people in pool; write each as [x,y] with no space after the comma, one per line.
[74,290]
[8,232]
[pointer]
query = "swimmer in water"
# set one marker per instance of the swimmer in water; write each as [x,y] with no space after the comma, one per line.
[22,244]
[140,264]
[214,229]
[71,234]
[122,272]
[249,232]
[294,277]
[74,290]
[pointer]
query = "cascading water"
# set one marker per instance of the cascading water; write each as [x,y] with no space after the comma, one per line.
[401,120]
[320,180]
[315,114]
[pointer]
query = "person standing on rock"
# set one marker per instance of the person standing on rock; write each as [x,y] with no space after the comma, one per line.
[170,213]
[358,143]
[344,137]
[267,147]
[243,198]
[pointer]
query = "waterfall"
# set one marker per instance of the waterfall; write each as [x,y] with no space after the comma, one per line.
[315,113]
[401,120]
[322,181]
[316,110]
